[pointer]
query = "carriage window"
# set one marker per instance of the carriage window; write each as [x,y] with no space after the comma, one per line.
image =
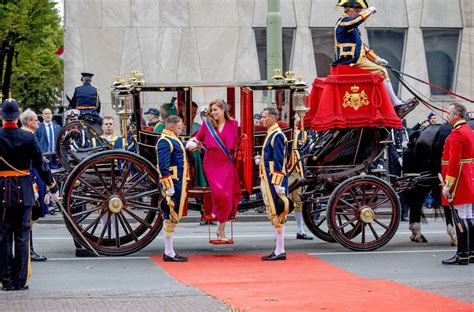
[261,41]
[323,46]
[389,44]
[441,50]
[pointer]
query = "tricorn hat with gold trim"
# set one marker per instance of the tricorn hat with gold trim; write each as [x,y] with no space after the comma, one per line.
[165,204]
[359,4]
[280,205]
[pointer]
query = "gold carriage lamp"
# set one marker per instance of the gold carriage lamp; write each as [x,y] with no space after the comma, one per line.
[299,100]
[122,103]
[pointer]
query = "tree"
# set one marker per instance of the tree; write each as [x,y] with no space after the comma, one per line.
[30,33]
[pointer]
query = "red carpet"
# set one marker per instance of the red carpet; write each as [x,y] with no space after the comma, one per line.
[301,283]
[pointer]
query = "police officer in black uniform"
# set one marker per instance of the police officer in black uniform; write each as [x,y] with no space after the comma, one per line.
[18,150]
[86,99]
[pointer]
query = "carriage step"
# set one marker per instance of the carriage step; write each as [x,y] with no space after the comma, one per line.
[221,242]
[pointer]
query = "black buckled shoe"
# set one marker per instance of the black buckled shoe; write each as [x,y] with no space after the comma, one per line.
[407,106]
[35,257]
[22,288]
[176,258]
[273,257]
[8,288]
[471,259]
[303,236]
[456,260]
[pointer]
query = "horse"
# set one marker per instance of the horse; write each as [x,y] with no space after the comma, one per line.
[423,156]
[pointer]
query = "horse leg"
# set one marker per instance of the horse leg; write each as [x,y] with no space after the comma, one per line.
[416,199]
[450,226]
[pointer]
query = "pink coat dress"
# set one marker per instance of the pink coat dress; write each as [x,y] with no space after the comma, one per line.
[221,173]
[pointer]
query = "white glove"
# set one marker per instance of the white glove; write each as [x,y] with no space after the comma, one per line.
[380,167]
[191,145]
[54,196]
[36,196]
[279,189]
[372,9]
[400,161]
[257,159]
[47,198]
[380,61]
[405,144]
[447,192]
[170,191]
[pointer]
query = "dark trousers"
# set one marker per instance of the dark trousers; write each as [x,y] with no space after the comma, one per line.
[15,235]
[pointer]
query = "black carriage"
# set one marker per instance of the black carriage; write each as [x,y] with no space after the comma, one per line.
[111,197]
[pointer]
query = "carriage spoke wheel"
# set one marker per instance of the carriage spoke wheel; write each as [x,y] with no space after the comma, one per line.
[363,213]
[73,144]
[314,215]
[112,199]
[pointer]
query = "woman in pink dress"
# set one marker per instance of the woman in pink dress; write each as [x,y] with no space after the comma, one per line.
[220,136]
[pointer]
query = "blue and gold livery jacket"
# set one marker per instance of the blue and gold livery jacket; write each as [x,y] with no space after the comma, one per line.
[273,166]
[85,99]
[19,150]
[173,167]
[348,41]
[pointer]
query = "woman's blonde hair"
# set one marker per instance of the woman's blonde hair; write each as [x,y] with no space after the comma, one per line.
[222,105]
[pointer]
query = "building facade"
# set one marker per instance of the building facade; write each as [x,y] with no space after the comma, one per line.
[225,40]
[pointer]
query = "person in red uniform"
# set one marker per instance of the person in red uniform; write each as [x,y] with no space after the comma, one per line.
[458,174]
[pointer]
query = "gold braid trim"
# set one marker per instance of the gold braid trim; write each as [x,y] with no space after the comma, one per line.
[169,227]
[11,167]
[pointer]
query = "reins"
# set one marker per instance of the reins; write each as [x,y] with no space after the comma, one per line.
[399,74]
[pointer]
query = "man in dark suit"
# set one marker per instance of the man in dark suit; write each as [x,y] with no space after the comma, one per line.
[19,150]
[47,134]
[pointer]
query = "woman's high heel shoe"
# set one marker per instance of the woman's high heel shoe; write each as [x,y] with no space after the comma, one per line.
[219,237]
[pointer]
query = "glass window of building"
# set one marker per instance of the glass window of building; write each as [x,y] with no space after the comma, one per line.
[323,46]
[390,45]
[261,40]
[441,50]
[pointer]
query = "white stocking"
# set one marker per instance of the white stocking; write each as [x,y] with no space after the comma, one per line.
[280,241]
[299,222]
[395,100]
[169,251]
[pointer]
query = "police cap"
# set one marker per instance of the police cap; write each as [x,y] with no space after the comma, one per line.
[89,75]
[72,113]
[153,111]
[10,109]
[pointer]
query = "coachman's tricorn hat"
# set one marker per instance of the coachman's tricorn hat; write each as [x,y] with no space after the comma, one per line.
[359,4]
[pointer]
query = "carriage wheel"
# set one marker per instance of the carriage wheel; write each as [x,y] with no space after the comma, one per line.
[112,199]
[73,144]
[314,215]
[363,213]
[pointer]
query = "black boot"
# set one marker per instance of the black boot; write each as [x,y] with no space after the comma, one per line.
[462,254]
[471,240]
[33,255]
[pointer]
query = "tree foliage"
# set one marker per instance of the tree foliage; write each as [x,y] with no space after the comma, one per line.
[30,33]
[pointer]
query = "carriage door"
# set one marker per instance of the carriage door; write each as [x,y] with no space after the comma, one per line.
[247,133]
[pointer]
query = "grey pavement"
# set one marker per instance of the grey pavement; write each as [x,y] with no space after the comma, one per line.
[135,283]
